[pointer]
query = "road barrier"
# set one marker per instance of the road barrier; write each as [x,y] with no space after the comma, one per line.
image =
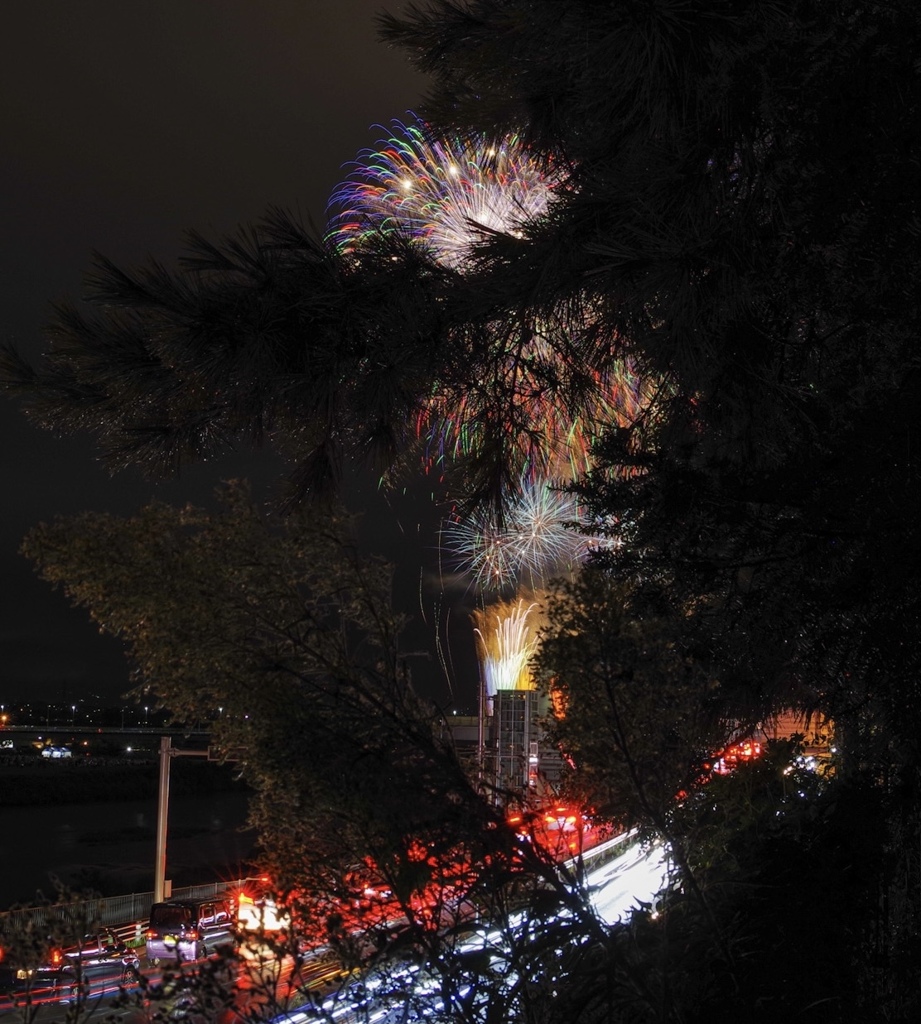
[127,915]
[595,856]
[86,916]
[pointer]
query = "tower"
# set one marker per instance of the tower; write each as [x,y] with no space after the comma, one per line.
[514,753]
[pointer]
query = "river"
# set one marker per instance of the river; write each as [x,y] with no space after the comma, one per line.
[110,846]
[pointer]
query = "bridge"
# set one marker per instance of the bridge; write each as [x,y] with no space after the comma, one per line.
[85,729]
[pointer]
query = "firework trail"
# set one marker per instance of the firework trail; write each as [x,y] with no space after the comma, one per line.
[506,635]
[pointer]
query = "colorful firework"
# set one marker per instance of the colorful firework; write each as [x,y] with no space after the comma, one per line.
[536,391]
[532,541]
[447,194]
[539,393]
[506,635]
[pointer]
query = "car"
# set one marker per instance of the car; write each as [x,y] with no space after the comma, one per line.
[28,985]
[98,961]
[188,929]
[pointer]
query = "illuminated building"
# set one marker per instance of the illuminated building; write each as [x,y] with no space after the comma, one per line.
[513,754]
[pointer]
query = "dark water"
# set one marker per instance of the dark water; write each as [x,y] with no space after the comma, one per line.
[111,846]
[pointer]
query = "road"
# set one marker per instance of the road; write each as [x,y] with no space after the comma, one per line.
[636,875]
[616,887]
[258,979]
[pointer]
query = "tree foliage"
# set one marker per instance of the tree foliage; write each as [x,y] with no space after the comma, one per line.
[740,213]
[290,632]
[635,714]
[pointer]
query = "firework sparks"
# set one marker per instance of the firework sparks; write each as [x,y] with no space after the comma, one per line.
[539,385]
[506,634]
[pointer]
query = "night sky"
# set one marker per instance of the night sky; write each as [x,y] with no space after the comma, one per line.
[124,124]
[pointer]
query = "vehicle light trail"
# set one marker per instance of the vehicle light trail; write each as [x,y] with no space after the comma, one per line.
[635,876]
[616,888]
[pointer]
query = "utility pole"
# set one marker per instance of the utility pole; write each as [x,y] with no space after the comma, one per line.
[481,733]
[167,751]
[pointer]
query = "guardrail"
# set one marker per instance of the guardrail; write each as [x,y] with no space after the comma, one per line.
[125,915]
[606,851]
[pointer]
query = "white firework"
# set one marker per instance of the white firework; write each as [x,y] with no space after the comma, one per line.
[543,521]
[535,539]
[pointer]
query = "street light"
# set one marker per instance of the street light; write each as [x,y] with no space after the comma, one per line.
[146,709]
[73,714]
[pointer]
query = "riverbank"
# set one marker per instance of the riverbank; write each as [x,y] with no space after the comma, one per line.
[109,848]
[89,823]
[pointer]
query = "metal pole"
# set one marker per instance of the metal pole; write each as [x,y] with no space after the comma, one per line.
[481,732]
[162,815]
[167,752]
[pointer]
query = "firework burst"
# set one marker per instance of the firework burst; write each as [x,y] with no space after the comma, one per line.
[551,407]
[534,539]
[448,194]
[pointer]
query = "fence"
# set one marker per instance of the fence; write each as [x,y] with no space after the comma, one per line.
[125,915]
